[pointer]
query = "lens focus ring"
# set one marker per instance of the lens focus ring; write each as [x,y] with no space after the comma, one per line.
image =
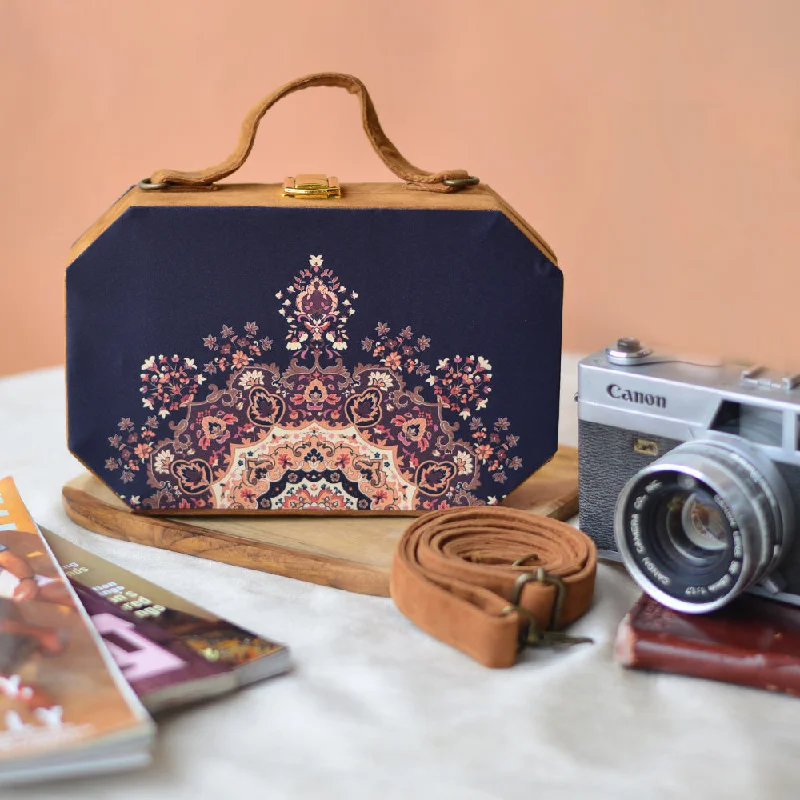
[759,503]
[753,506]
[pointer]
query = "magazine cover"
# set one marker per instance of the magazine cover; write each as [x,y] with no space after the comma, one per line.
[64,707]
[171,651]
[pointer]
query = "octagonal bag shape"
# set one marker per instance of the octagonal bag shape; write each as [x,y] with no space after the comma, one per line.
[310,347]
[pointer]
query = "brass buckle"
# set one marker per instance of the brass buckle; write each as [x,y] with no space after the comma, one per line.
[312,186]
[533,635]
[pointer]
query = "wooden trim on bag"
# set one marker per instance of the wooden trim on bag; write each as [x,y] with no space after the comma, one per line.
[354,196]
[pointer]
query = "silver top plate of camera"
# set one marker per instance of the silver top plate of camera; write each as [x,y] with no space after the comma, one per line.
[629,385]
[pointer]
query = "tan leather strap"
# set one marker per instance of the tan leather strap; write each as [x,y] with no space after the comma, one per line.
[454,574]
[388,153]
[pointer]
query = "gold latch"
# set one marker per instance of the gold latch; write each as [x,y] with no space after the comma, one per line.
[321,186]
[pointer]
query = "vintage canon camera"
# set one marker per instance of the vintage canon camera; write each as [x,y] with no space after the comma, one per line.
[690,474]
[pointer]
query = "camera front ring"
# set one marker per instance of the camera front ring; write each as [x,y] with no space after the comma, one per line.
[703,523]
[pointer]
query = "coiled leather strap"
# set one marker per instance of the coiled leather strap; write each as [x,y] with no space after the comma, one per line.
[485,580]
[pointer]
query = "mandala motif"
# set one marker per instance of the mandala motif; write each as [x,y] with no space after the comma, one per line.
[314,468]
[394,434]
[316,307]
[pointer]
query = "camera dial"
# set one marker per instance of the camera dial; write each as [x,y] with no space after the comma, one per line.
[704,522]
[627,351]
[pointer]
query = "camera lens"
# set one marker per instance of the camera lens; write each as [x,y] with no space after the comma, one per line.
[694,523]
[704,522]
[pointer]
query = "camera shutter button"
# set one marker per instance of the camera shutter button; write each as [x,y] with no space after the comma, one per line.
[627,345]
[627,350]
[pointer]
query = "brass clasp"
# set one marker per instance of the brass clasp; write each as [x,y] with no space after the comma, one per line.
[534,635]
[312,186]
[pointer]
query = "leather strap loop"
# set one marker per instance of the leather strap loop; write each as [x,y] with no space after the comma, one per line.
[456,574]
[388,153]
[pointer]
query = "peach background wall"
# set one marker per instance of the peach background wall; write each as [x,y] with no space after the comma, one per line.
[653,143]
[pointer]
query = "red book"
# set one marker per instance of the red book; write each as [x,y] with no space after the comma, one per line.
[751,641]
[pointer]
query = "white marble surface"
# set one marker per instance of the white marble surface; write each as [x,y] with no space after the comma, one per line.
[377,709]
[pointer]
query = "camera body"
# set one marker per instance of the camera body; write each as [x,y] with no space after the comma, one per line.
[690,474]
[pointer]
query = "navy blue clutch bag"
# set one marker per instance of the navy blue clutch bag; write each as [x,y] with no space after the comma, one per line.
[309,346]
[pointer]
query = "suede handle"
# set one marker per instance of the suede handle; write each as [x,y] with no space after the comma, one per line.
[485,579]
[387,152]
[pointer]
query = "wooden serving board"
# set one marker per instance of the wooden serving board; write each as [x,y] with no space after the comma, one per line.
[352,553]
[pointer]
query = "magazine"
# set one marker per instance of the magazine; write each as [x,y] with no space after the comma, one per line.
[65,708]
[172,652]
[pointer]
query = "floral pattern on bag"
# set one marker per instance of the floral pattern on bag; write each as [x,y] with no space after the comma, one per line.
[242,433]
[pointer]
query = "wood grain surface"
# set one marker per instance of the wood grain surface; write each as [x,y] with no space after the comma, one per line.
[352,553]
